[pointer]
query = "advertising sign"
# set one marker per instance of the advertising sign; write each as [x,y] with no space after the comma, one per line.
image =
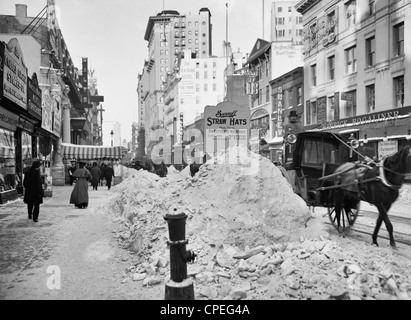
[14,74]
[386,149]
[226,125]
[47,115]
[34,97]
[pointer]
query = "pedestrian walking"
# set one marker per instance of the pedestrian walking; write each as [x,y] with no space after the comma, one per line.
[103,173]
[71,171]
[79,195]
[95,175]
[33,195]
[109,175]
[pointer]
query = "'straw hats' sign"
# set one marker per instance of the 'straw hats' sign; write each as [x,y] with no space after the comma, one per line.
[225,125]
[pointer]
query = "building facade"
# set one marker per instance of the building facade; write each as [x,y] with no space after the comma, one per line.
[286,22]
[356,68]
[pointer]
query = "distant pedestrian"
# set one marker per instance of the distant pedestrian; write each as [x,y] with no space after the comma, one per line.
[95,176]
[33,195]
[103,173]
[79,195]
[109,175]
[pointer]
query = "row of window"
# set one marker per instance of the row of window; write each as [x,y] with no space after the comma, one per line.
[182,24]
[177,34]
[351,55]
[351,102]
[181,42]
[281,33]
[281,20]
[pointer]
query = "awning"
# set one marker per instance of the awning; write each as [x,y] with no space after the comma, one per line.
[88,152]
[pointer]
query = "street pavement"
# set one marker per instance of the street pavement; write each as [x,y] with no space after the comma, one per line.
[70,254]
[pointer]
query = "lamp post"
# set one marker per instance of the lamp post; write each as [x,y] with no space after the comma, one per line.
[112,135]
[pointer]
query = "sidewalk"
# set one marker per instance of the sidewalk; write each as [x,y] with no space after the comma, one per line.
[79,245]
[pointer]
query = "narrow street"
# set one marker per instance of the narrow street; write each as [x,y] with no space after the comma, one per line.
[80,243]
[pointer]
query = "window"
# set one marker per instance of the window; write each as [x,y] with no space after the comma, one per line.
[299,95]
[289,9]
[279,9]
[312,113]
[280,33]
[260,97]
[205,65]
[331,108]
[280,20]
[331,21]
[197,87]
[161,61]
[399,91]
[370,51]
[214,74]
[331,68]
[196,33]
[399,39]
[197,75]
[370,92]
[351,60]
[351,104]
[371,7]
[313,75]
[214,86]
[351,13]
[205,87]
[205,75]
[176,43]
[267,94]
[196,41]
[290,98]
[298,20]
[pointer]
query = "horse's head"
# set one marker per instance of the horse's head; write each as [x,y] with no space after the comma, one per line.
[401,161]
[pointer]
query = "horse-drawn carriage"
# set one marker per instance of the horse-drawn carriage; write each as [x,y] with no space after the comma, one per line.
[327,171]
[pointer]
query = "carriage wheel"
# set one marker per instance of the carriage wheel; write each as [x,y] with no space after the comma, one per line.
[347,217]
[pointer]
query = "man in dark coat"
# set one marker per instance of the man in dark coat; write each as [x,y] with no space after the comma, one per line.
[103,173]
[33,195]
[71,171]
[95,176]
[109,175]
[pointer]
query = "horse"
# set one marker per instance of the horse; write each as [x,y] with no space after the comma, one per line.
[376,183]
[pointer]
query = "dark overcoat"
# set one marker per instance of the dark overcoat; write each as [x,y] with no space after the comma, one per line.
[33,187]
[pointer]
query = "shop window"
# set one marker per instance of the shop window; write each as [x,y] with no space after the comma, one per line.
[7,161]
[312,113]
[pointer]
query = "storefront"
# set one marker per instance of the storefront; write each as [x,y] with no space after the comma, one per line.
[380,134]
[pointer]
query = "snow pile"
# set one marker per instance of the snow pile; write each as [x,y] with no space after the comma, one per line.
[405,193]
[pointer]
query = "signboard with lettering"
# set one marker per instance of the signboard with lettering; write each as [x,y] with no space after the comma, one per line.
[387,148]
[280,112]
[47,115]
[14,74]
[226,125]
[34,97]
[8,120]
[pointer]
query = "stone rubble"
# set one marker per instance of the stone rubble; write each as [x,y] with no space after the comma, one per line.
[253,237]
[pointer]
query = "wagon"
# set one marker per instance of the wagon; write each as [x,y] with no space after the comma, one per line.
[315,157]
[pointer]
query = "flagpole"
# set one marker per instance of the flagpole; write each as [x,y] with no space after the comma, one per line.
[226,32]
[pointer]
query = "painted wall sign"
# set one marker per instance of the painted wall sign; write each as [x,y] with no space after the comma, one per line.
[47,115]
[387,116]
[34,97]
[280,112]
[226,124]
[320,33]
[15,74]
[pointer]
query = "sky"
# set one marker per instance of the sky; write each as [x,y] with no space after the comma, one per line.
[110,33]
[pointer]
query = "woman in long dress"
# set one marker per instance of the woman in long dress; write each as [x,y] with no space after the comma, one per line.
[79,195]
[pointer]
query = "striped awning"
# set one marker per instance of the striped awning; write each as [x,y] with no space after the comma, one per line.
[87,152]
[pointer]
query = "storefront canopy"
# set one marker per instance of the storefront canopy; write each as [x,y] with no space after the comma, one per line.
[88,152]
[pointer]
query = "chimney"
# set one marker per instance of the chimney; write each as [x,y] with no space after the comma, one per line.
[21,10]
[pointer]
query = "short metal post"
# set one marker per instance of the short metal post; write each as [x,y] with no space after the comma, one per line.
[178,287]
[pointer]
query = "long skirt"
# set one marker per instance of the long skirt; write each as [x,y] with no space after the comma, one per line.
[79,195]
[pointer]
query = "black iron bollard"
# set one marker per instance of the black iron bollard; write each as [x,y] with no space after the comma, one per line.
[179,287]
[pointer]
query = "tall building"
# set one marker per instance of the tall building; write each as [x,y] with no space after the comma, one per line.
[286,22]
[356,69]
[168,34]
